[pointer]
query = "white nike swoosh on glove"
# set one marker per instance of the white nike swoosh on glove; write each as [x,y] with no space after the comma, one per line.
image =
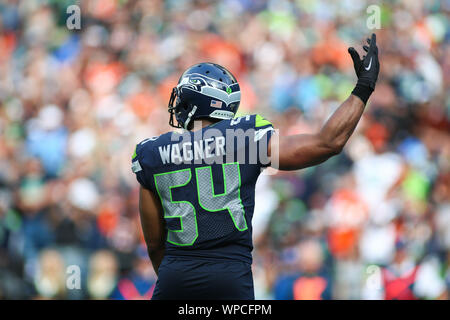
[370,64]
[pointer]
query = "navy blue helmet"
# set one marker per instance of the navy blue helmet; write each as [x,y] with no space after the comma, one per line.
[205,90]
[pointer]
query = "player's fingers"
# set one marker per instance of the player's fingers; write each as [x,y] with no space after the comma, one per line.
[372,44]
[354,54]
[366,48]
[373,39]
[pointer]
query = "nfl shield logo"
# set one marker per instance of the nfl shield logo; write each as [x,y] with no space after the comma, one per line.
[216,104]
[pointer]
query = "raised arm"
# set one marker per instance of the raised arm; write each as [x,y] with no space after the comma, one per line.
[152,225]
[305,150]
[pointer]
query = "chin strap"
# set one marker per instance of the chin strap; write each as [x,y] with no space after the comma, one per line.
[190,115]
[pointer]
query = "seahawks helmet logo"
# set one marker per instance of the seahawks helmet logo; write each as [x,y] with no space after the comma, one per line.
[211,87]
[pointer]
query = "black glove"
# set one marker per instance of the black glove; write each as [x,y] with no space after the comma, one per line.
[366,69]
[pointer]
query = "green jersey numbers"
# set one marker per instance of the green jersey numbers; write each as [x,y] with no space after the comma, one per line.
[229,200]
[184,210]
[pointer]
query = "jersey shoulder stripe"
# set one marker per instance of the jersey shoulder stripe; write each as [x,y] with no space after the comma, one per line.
[260,121]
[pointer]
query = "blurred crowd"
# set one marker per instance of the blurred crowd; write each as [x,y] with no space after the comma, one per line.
[370,223]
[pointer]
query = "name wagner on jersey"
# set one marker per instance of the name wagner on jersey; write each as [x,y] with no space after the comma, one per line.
[186,152]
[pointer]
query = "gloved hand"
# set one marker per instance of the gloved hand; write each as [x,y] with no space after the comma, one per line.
[368,67]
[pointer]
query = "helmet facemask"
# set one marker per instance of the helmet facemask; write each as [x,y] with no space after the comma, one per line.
[173,109]
[182,111]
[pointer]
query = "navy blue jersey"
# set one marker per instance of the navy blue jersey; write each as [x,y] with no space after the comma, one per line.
[206,180]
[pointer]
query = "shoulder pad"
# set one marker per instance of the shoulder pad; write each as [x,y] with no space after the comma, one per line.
[260,121]
[141,144]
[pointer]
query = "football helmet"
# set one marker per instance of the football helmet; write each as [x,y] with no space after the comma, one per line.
[205,90]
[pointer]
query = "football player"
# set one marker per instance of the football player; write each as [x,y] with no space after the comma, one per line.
[197,187]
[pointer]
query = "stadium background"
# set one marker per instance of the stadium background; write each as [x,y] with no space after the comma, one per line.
[75,102]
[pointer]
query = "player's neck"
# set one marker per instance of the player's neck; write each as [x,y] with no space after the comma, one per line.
[206,123]
[201,124]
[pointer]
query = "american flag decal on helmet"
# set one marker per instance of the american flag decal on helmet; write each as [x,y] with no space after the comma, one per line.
[216,104]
